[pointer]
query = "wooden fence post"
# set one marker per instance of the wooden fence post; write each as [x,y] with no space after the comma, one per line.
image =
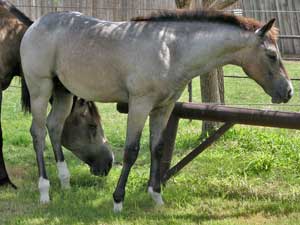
[212,84]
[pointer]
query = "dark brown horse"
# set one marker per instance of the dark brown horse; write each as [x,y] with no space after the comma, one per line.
[12,29]
[88,142]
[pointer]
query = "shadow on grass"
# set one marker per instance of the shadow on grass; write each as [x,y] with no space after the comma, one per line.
[83,206]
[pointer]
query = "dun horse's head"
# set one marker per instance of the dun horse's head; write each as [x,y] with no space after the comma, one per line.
[84,136]
[262,62]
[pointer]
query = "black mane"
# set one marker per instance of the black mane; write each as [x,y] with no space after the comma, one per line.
[248,24]
[197,16]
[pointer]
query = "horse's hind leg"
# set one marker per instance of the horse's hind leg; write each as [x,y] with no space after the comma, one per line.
[61,108]
[158,122]
[39,97]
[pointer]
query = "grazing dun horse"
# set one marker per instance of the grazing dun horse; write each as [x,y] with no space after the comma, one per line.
[82,134]
[145,62]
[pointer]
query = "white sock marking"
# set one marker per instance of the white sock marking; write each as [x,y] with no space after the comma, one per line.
[44,186]
[63,174]
[118,207]
[155,196]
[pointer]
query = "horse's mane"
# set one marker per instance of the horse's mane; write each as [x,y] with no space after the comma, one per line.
[245,23]
[93,110]
[16,12]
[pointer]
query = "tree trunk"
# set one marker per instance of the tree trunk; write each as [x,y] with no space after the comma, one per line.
[212,84]
[210,93]
[183,4]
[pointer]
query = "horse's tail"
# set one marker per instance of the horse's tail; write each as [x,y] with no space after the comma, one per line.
[25,97]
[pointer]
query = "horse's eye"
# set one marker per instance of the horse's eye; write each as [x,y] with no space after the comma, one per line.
[93,126]
[273,57]
[93,129]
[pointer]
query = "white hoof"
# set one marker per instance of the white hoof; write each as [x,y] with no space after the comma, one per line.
[44,186]
[155,196]
[118,207]
[63,174]
[44,198]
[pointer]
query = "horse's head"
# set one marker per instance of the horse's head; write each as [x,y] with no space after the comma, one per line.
[262,62]
[84,136]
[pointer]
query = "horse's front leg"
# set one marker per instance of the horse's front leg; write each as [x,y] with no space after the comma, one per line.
[61,108]
[158,122]
[139,109]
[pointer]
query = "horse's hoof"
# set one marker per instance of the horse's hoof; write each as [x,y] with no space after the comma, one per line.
[118,207]
[65,184]
[64,175]
[156,196]
[44,199]
[44,186]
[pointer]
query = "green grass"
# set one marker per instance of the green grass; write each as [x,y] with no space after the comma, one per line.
[250,176]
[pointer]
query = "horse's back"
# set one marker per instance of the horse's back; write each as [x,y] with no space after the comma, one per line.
[55,45]
[94,59]
[37,49]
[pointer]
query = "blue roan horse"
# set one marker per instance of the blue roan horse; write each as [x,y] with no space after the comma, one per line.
[145,62]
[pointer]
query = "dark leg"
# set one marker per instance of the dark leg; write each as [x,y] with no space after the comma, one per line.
[168,148]
[61,108]
[4,178]
[158,123]
[138,111]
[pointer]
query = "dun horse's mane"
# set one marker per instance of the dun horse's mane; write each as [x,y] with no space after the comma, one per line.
[92,108]
[16,12]
[245,23]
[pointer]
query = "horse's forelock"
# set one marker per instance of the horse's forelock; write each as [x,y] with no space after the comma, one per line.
[94,111]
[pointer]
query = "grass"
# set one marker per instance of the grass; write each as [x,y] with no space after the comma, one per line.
[250,176]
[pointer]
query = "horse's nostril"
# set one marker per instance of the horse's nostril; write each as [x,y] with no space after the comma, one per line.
[290,93]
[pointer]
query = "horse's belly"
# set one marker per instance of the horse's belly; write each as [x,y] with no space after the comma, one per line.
[94,87]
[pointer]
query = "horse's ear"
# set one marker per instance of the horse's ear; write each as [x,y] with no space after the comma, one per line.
[261,32]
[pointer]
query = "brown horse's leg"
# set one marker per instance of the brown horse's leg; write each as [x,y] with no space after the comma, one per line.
[4,178]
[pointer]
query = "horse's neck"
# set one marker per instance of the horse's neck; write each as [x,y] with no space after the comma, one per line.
[11,34]
[208,49]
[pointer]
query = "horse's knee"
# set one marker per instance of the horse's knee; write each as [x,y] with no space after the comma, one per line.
[37,133]
[131,153]
[53,126]
[158,149]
